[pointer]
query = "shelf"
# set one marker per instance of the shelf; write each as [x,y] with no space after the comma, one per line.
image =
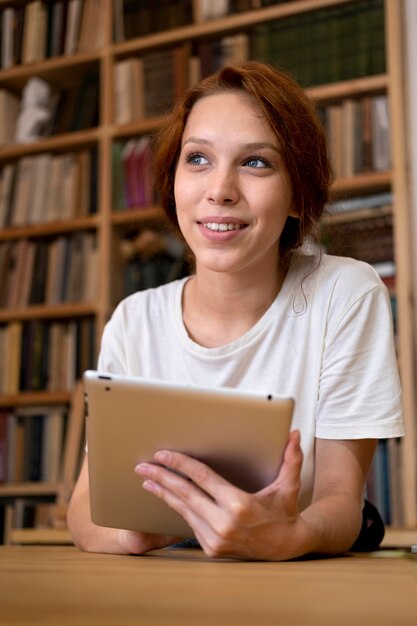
[42,536]
[19,490]
[16,77]
[43,311]
[35,398]
[219,26]
[348,88]
[136,216]
[353,216]
[47,229]
[56,143]
[361,183]
[399,538]
[139,127]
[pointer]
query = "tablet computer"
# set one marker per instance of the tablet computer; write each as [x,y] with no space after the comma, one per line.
[239,434]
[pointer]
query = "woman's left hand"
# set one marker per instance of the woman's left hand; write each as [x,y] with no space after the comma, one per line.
[227,521]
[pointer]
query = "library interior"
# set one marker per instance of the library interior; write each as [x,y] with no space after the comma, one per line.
[84,87]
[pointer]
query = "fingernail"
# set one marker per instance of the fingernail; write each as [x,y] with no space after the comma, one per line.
[142,468]
[162,456]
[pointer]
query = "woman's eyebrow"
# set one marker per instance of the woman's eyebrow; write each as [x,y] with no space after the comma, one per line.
[252,145]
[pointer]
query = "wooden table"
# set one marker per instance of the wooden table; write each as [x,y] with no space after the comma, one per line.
[61,586]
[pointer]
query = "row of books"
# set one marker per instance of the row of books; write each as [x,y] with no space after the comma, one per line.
[325,45]
[135,19]
[358,134]
[31,444]
[151,258]
[53,271]
[368,239]
[31,513]
[148,85]
[356,204]
[41,29]
[45,355]
[132,185]
[384,485]
[47,187]
[9,112]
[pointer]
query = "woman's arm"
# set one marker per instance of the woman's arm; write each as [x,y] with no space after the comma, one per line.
[92,538]
[335,514]
[267,525]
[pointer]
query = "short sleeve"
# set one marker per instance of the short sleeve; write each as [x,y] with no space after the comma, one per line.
[112,357]
[360,392]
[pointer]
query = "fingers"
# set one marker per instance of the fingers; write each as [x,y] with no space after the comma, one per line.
[196,471]
[286,486]
[186,489]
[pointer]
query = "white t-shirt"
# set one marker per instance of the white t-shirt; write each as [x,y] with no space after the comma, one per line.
[326,341]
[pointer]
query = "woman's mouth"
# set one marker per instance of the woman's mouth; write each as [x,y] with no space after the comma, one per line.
[223,227]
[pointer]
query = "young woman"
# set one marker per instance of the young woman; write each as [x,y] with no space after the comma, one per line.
[243,174]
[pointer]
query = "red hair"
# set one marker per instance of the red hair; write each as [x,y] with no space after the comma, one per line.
[294,121]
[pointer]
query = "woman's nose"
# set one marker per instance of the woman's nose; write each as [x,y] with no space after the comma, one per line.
[223,188]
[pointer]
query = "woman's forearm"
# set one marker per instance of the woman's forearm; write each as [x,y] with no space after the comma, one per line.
[332,524]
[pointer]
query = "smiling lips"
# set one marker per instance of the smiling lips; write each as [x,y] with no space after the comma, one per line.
[222,227]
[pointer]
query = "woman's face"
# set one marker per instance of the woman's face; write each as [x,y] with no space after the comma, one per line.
[232,191]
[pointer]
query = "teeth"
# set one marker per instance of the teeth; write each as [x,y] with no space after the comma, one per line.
[222,227]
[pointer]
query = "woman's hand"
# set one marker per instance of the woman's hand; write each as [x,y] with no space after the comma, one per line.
[226,520]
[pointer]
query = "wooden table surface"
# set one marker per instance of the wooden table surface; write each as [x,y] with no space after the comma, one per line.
[62,586]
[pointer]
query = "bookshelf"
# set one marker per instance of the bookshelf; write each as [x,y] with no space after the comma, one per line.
[184,41]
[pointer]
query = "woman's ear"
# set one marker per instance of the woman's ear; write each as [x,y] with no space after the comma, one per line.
[293,212]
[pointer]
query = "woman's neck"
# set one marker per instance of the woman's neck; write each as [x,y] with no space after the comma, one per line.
[219,308]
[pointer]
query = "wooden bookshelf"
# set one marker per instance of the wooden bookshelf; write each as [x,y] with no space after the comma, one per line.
[110,225]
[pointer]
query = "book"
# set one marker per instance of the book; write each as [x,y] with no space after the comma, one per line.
[12,356]
[23,191]
[69,182]
[90,267]
[20,251]
[9,111]
[57,34]
[3,445]
[16,447]
[53,199]
[118,185]
[55,270]
[82,200]
[118,24]
[7,39]
[76,274]
[128,91]
[52,444]
[348,137]
[54,357]
[27,275]
[7,193]
[42,174]
[33,447]
[40,264]
[74,12]
[359,203]
[6,248]
[381,145]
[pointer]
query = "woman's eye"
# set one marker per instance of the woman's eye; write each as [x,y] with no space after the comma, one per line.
[257,162]
[196,159]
